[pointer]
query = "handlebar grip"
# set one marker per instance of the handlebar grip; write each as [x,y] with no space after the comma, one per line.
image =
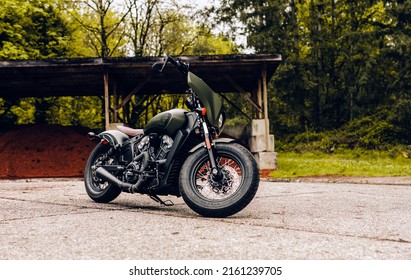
[172,60]
[181,66]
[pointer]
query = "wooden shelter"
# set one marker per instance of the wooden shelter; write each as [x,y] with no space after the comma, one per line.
[125,77]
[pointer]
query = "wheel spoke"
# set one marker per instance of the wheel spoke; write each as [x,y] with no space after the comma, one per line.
[225,187]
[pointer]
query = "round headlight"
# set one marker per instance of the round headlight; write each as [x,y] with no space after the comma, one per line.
[221,121]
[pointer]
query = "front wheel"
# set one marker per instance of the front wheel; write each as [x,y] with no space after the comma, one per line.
[223,195]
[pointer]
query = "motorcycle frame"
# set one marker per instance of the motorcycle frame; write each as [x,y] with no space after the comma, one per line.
[121,141]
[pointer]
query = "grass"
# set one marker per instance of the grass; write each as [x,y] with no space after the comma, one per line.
[343,163]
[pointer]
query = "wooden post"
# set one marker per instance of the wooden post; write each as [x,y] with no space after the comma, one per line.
[116,98]
[265,99]
[106,101]
[259,99]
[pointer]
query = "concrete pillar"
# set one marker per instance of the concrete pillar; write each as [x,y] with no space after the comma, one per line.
[263,151]
[261,142]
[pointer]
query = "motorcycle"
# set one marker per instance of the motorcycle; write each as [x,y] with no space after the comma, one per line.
[178,153]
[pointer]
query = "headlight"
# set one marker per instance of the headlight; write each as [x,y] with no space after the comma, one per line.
[221,122]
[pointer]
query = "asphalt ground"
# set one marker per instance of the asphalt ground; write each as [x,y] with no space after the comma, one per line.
[319,219]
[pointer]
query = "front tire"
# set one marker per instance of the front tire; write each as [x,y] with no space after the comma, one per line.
[228,196]
[98,190]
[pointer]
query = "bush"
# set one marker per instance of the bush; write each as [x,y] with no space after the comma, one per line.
[366,133]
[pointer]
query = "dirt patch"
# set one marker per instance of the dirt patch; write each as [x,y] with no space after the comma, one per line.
[264,173]
[44,151]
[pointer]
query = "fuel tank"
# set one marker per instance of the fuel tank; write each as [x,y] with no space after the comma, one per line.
[168,122]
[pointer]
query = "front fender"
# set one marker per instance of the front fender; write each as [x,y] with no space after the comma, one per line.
[218,140]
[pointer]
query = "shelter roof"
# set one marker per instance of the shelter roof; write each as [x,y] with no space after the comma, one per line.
[84,77]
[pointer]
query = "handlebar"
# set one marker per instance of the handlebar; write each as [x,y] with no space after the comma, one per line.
[178,63]
[171,59]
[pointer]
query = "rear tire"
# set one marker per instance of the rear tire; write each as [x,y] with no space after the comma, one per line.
[98,190]
[219,199]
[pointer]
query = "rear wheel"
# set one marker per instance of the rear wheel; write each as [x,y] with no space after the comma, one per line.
[223,195]
[97,189]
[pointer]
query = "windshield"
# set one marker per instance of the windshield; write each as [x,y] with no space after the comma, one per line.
[207,96]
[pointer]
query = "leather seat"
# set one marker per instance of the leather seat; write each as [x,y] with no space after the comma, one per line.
[130,131]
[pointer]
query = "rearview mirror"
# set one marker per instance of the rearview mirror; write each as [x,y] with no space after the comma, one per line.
[157,67]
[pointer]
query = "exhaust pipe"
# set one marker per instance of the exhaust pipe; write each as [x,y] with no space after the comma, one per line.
[103,174]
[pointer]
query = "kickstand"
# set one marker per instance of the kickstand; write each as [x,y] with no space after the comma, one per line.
[157,199]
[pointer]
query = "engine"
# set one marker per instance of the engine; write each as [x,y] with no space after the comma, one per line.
[164,148]
[148,150]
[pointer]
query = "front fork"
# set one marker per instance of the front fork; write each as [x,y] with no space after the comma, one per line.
[215,171]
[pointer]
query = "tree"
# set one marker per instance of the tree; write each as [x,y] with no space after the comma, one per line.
[396,68]
[339,57]
[103,25]
[32,29]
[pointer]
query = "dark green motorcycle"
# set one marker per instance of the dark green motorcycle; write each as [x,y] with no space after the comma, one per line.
[177,153]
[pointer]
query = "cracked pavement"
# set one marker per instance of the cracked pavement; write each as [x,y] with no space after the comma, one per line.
[54,219]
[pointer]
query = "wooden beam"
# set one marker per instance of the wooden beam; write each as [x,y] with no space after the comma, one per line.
[133,92]
[235,106]
[260,98]
[240,90]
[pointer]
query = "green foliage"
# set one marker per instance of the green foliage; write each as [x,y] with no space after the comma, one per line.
[38,29]
[68,111]
[102,26]
[343,61]
[237,121]
[209,44]
[374,133]
[76,111]
[24,110]
[31,29]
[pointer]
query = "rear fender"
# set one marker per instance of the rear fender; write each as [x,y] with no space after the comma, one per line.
[114,137]
[120,140]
